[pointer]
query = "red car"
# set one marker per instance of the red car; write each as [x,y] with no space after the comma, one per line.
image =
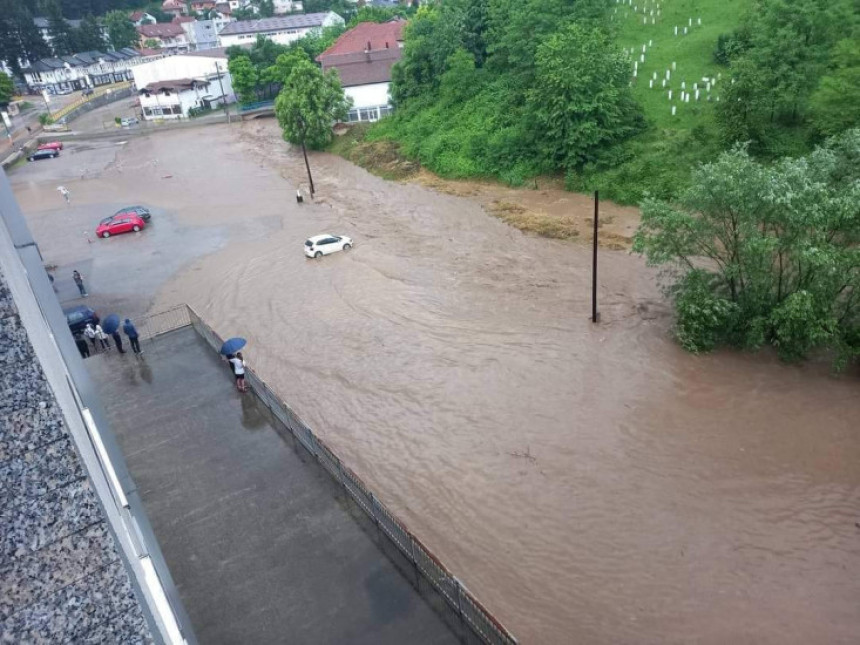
[122,223]
[51,145]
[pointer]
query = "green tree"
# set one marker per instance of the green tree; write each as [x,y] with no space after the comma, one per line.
[121,31]
[266,8]
[245,78]
[835,105]
[580,100]
[62,38]
[309,103]
[88,36]
[152,43]
[7,89]
[783,61]
[20,39]
[376,14]
[765,255]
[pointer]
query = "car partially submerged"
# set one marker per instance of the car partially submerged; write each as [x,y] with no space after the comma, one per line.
[320,245]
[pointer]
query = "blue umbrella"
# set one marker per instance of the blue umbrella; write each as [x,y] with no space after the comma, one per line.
[110,324]
[232,345]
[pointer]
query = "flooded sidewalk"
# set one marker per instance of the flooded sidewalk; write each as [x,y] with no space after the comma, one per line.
[260,542]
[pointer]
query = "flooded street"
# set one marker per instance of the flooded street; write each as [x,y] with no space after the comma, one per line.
[589,483]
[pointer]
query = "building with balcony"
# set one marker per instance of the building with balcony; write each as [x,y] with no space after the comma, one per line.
[170,87]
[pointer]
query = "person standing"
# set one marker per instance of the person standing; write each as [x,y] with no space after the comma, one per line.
[65,193]
[238,364]
[79,280]
[102,336]
[83,348]
[90,332]
[118,340]
[133,336]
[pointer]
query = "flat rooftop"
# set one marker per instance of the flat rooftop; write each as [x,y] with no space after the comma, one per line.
[260,541]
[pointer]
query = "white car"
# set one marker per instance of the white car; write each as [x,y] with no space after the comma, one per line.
[319,245]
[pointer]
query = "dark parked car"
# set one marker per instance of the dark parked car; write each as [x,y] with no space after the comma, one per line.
[140,211]
[79,316]
[44,154]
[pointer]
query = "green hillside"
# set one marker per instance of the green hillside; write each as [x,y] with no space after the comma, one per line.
[659,161]
[691,53]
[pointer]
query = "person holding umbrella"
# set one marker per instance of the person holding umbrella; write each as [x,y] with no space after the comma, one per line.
[133,336]
[230,349]
[111,326]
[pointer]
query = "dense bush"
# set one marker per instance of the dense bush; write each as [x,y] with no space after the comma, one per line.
[765,254]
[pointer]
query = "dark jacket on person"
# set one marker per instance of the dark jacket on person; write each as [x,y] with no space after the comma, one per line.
[129,329]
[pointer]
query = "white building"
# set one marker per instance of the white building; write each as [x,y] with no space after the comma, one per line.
[170,87]
[87,69]
[282,30]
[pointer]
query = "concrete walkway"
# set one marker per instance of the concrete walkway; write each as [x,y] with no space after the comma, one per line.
[256,535]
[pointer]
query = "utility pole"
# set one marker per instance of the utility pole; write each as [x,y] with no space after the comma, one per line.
[308,166]
[305,153]
[594,314]
[223,96]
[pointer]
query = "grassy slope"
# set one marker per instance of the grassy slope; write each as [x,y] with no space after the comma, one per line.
[692,54]
[659,160]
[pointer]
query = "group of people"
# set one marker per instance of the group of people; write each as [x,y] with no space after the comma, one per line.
[98,338]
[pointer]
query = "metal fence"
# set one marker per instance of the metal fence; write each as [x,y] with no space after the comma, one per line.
[473,616]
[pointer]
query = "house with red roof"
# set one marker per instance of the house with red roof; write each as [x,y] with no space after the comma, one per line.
[363,58]
[175,7]
[166,35]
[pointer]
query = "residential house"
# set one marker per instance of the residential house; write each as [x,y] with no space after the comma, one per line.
[283,30]
[168,35]
[170,87]
[363,58]
[287,6]
[205,33]
[141,18]
[86,69]
[202,5]
[175,7]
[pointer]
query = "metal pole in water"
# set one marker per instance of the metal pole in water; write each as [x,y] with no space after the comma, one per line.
[308,166]
[594,262]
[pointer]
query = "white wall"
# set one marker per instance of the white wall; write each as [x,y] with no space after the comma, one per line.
[281,37]
[174,67]
[364,96]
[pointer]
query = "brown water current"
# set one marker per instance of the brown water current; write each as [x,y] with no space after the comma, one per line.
[589,483]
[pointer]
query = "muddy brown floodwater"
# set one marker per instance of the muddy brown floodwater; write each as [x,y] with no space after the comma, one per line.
[590,484]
